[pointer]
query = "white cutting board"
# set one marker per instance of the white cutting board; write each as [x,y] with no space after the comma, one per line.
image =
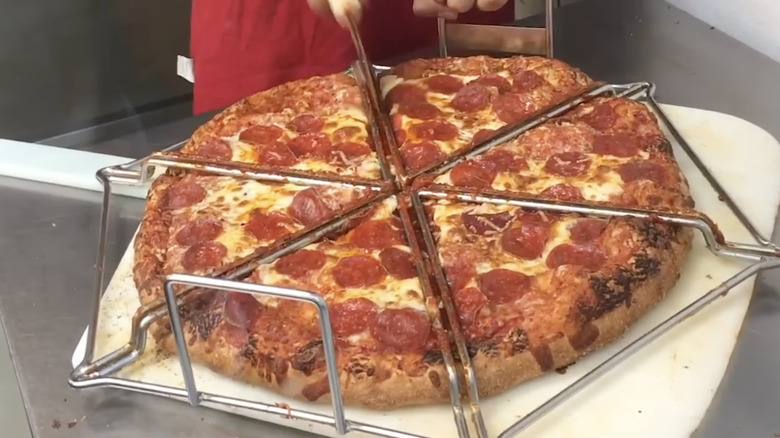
[662,391]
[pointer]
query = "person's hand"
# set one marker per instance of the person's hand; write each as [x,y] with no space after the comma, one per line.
[450,9]
[339,9]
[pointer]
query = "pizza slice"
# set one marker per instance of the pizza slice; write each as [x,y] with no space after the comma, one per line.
[312,125]
[441,106]
[385,327]
[609,150]
[201,224]
[535,291]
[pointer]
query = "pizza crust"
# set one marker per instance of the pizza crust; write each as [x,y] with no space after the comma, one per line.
[381,381]
[495,375]
[378,383]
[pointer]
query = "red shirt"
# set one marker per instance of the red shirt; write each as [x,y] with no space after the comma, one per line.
[240,47]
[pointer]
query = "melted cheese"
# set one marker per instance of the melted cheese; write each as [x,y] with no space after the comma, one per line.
[446,216]
[389,293]
[486,116]
[362,167]
[231,201]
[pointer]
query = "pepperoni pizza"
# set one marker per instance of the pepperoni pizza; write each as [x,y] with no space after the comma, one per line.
[533,291]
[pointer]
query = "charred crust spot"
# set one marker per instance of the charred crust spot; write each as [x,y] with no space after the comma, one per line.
[309,358]
[585,337]
[518,339]
[360,367]
[657,235]
[433,357]
[435,379]
[202,310]
[544,358]
[488,347]
[249,352]
[645,266]
[615,290]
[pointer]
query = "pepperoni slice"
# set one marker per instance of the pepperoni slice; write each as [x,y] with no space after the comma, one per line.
[435,130]
[199,230]
[482,136]
[563,192]
[568,164]
[485,223]
[527,81]
[300,263]
[276,154]
[310,145]
[402,330]
[493,80]
[587,256]
[419,110]
[460,265]
[261,135]
[183,194]
[471,98]
[602,117]
[404,93]
[536,217]
[472,173]
[241,310]
[358,271]
[307,123]
[267,226]
[350,150]
[397,263]
[643,170]
[513,108]
[503,160]
[203,255]
[216,149]
[346,133]
[618,145]
[585,230]
[526,241]
[444,84]
[503,285]
[309,208]
[421,155]
[352,316]
[469,301]
[375,234]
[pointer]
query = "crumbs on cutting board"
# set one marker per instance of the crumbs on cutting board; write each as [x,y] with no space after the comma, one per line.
[55,424]
[709,276]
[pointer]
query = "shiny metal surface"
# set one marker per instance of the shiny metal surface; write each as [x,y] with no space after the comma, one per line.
[70,65]
[48,237]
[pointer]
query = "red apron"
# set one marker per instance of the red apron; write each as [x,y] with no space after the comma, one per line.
[240,47]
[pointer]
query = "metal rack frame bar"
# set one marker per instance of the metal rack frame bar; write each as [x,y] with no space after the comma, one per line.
[448,303]
[152,312]
[644,340]
[259,173]
[714,240]
[328,340]
[93,374]
[502,38]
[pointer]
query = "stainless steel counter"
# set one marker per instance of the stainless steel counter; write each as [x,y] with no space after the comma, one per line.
[48,238]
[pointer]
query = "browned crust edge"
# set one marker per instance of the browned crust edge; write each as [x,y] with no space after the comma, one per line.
[375,386]
[495,375]
[373,382]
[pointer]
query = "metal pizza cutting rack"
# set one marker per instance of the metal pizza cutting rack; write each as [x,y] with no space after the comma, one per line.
[466,407]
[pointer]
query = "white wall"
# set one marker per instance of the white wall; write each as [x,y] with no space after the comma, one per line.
[753,22]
